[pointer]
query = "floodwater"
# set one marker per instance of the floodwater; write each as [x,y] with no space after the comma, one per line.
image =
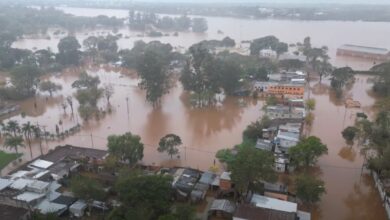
[350,194]
[329,33]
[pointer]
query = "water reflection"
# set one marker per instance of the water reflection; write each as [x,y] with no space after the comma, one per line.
[361,192]
[348,153]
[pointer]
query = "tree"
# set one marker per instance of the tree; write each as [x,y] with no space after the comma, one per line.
[127,147]
[309,189]
[201,74]
[86,81]
[48,86]
[38,133]
[12,127]
[230,74]
[153,70]
[169,144]
[341,77]
[382,81]
[268,42]
[28,129]
[108,91]
[349,133]
[13,142]
[68,51]
[199,25]
[91,44]
[69,99]
[24,79]
[87,111]
[149,196]
[307,151]
[89,96]
[87,189]
[251,166]
[228,42]
[323,67]
[254,131]
[310,104]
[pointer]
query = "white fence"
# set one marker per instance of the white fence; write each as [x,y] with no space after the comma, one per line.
[382,193]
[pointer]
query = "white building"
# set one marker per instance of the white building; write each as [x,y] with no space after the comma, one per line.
[268,53]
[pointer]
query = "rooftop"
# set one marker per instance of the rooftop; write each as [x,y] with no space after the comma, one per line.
[60,152]
[250,212]
[363,49]
[274,204]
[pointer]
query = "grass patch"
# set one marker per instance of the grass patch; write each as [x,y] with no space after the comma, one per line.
[6,158]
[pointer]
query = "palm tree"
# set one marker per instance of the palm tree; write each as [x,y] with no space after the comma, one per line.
[27,129]
[37,133]
[12,127]
[13,142]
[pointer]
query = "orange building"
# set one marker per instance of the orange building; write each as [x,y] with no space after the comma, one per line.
[287,90]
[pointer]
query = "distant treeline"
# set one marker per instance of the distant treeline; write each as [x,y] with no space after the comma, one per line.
[254,10]
[17,20]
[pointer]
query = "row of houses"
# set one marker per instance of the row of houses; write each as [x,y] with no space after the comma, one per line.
[37,186]
[283,85]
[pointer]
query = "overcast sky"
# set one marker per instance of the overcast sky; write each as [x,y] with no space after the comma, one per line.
[280,1]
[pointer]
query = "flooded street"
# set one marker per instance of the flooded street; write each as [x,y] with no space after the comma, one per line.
[350,194]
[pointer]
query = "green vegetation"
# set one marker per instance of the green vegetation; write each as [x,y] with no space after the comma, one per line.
[48,86]
[340,78]
[142,196]
[254,131]
[87,189]
[307,152]
[6,158]
[311,104]
[268,42]
[127,147]
[68,51]
[169,144]
[249,167]
[153,69]
[349,133]
[309,189]
[88,95]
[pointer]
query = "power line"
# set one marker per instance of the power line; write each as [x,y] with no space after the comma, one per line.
[192,148]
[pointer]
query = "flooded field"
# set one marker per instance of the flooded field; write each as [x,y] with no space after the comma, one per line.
[350,193]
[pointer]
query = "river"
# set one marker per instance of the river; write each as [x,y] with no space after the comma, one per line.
[332,34]
[350,194]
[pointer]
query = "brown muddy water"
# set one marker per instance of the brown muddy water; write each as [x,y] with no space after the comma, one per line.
[350,195]
[329,33]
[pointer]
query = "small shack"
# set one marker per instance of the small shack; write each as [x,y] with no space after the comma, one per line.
[77,209]
[222,208]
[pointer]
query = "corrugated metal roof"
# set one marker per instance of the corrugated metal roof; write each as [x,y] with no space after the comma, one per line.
[29,196]
[50,207]
[43,164]
[274,204]
[20,183]
[4,183]
[39,185]
[363,49]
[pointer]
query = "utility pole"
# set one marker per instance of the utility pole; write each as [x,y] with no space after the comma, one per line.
[44,130]
[40,138]
[92,141]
